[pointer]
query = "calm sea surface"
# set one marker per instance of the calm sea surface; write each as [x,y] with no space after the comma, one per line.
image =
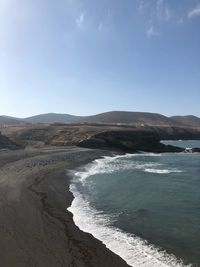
[144,207]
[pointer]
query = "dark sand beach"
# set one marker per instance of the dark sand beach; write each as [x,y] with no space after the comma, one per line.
[36,230]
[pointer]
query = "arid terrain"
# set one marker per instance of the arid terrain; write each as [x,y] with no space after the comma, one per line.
[36,165]
[117,137]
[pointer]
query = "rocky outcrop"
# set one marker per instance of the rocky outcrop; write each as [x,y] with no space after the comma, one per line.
[128,141]
[120,138]
[176,133]
[196,150]
[6,143]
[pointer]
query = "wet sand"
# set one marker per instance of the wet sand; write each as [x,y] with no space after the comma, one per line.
[36,230]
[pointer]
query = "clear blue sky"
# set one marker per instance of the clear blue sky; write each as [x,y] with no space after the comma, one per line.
[88,56]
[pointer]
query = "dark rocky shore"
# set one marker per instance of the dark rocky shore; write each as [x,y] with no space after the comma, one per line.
[35,228]
[128,141]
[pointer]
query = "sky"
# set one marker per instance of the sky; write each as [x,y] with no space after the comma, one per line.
[85,57]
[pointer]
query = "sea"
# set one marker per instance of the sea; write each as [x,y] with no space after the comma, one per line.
[145,207]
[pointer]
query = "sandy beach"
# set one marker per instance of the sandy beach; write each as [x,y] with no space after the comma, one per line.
[36,230]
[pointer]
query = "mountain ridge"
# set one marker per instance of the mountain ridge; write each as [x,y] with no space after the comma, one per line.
[129,117]
[111,117]
[8,120]
[52,118]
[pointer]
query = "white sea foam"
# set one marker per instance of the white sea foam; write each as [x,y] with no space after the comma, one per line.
[162,171]
[120,163]
[134,250]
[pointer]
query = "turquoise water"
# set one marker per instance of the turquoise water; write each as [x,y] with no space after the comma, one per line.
[144,207]
[183,143]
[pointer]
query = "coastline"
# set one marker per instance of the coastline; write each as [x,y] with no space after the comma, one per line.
[133,249]
[36,229]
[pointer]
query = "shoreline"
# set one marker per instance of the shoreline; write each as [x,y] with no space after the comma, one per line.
[130,245]
[36,229]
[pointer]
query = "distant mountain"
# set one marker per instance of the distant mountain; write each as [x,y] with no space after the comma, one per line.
[188,120]
[52,118]
[135,118]
[6,120]
[112,117]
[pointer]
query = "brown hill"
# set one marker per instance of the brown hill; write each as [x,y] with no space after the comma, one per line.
[113,117]
[7,120]
[134,118]
[52,118]
[187,120]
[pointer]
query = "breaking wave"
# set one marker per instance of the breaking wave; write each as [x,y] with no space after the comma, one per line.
[134,250]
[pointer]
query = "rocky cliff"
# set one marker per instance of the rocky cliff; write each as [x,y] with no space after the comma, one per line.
[121,138]
[6,143]
[128,141]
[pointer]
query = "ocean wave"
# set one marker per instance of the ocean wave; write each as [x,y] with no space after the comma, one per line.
[134,250]
[121,163]
[162,171]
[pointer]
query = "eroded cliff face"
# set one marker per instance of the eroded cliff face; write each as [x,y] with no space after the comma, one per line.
[6,143]
[128,141]
[176,133]
[120,138]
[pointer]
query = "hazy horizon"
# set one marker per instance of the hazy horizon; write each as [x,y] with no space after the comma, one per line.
[87,57]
